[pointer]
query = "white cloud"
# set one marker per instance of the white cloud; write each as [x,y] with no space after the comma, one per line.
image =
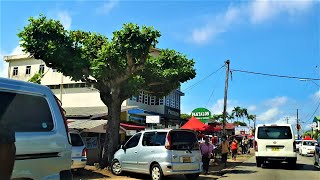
[261,11]
[3,65]
[107,6]
[284,119]
[254,12]
[277,101]
[316,95]
[270,114]
[17,51]
[65,19]
[252,108]
[217,108]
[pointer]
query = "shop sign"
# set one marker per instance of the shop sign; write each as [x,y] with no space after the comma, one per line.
[202,114]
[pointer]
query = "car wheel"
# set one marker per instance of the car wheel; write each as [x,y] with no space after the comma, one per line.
[156,172]
[192,176]
[259,162]
[116,168]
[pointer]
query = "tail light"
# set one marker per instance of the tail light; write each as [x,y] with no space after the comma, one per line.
[84,152]
[168,141]
[62,112]
[256,146]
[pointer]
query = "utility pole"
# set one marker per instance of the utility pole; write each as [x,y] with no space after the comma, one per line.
[298,125]
[225,97]
[254,124]
[287,120]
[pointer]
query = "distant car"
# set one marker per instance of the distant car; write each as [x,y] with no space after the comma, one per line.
[160,153]
[275,143]
[307,147]
[298,144]
[317,153]
[43,147]
[79,151]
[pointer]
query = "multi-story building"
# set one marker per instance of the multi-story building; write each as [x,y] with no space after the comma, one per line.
[81,100]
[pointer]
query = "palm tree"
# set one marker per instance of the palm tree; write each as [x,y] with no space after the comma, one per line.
[250,118]
[236,112]
[244,113]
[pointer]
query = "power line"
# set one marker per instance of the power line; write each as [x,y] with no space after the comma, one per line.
[275,75]
[313,113]
[190,87]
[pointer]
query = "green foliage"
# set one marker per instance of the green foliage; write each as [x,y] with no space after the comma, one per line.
[185,116]
[240,123]
[36,78]
[307,133]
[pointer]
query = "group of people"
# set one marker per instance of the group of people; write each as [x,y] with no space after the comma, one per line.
[207,150]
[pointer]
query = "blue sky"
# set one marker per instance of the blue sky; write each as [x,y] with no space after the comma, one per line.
[275,37]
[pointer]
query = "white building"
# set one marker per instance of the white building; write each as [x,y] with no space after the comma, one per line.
[79,99]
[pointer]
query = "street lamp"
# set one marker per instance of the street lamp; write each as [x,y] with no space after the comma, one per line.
[310,80]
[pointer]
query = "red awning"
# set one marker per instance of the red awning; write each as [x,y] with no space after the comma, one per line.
[194,124]
[132,127]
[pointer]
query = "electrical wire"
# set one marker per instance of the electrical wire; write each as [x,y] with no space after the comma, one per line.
[275,75]
[313,114]
[190,87]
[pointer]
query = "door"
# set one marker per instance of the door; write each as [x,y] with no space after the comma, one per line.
[129,157]
[152,149]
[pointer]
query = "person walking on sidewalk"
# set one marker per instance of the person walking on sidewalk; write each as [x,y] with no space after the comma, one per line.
[234,149]
[206,152]
[224,150]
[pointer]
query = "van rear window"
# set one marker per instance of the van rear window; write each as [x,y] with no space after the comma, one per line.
[76,140]
[25,113]
[274,132]
[183,140]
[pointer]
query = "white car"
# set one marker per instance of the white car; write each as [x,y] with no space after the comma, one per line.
[275,143]
[79,151]
[43,147]
[307,147]
[160,153]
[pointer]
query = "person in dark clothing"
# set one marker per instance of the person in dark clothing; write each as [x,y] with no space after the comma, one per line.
[7,151]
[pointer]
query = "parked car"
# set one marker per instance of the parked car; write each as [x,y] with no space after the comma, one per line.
[275,143]
[79,151]
[160,153]
[317,153]
[307,147]
[298,144]
[43,147]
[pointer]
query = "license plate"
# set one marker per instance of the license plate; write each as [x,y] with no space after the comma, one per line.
[186,159]
[275,149]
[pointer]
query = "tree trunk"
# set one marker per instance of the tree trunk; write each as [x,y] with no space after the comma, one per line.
[111,143]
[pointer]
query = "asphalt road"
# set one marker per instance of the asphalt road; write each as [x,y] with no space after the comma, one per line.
[248,170]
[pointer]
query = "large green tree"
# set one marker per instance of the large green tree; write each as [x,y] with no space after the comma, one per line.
[118,68]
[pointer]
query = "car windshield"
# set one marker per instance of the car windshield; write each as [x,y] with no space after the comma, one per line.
[308,143]
[183,140]
[274,132]
[76,140]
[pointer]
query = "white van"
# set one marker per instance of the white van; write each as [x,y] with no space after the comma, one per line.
[160,153]
[275,143]
[43,148]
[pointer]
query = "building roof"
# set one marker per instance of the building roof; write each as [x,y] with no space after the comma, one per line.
[96,111]
[17,57]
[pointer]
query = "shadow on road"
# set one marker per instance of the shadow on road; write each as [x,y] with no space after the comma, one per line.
[233,171]
[85,174]
[286,166]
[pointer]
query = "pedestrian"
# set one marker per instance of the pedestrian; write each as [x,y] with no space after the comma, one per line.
[246,144]
[224,150]
[206,151]
[7,150]
[234,149]
[243,146]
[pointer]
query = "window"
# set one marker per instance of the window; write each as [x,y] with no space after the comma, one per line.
[76,140]
[308,143]
[152,100]
[140,96]
[274,132]
[25,113]
[154,138]
[28,70]
[183,140]
[15,71]
[41,68]
[133,141]
[161,101]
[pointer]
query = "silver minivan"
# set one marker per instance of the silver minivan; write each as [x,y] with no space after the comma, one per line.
[43,148]
[79,151]
[160,153]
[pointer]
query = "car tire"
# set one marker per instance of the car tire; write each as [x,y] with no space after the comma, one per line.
[156,172]
[192,176]
[116,168]
[259,162]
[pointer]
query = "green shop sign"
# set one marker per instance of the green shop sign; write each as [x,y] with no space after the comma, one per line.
[202,114]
